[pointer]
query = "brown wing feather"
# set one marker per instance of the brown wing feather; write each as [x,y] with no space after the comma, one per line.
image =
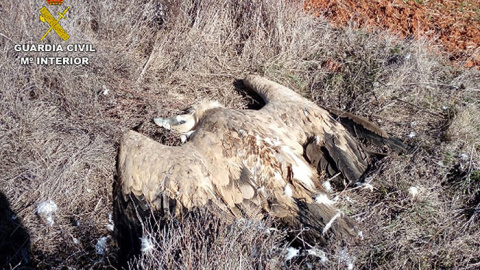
[348,158]
[271,91]
[365,123]
[149,169]
[368,131]
[331,148]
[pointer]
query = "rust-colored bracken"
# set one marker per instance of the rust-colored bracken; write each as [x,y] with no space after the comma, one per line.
[455,24]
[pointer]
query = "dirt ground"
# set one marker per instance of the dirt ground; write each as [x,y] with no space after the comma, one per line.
[455,25]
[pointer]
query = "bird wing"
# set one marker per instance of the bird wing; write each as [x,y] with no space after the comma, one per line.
[332,149]
[368,131]
[159,174]
[174,180]
[270,91]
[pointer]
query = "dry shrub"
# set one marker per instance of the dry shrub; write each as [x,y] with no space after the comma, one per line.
[59,128]
[465,126]
[202,240]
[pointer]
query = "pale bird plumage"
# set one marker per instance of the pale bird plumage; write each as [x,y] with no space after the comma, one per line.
[243,162]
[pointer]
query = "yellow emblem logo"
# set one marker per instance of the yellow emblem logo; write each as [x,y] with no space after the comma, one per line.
[47,17]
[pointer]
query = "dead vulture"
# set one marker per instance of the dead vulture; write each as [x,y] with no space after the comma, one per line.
[247,163]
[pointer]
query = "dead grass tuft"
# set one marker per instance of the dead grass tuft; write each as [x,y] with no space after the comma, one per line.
[465,126]
[202,240]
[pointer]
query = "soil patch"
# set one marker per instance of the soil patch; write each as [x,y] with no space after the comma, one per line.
[453,24]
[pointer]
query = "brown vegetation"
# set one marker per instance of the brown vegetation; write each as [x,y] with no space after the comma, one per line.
[455,25]
[59,128]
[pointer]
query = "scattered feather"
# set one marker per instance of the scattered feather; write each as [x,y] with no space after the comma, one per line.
[110,225]
[46,210]
[413,191]
[368,186]
[360,234]
[327,186]
[101,246]
[345,257]
[318,253]
[348,199]
[105,90]
[323,198]
[147,244]
[291,253]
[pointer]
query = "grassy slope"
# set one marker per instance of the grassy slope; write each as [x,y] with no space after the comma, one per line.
[450,24]
[59,133]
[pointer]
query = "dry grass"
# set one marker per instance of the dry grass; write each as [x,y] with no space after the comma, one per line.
[203,241]
[59,133]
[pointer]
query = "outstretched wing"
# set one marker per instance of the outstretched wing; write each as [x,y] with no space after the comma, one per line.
[158,181]
[329,146]
[272,92]
[368,131]
[171,181]
[158,173]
